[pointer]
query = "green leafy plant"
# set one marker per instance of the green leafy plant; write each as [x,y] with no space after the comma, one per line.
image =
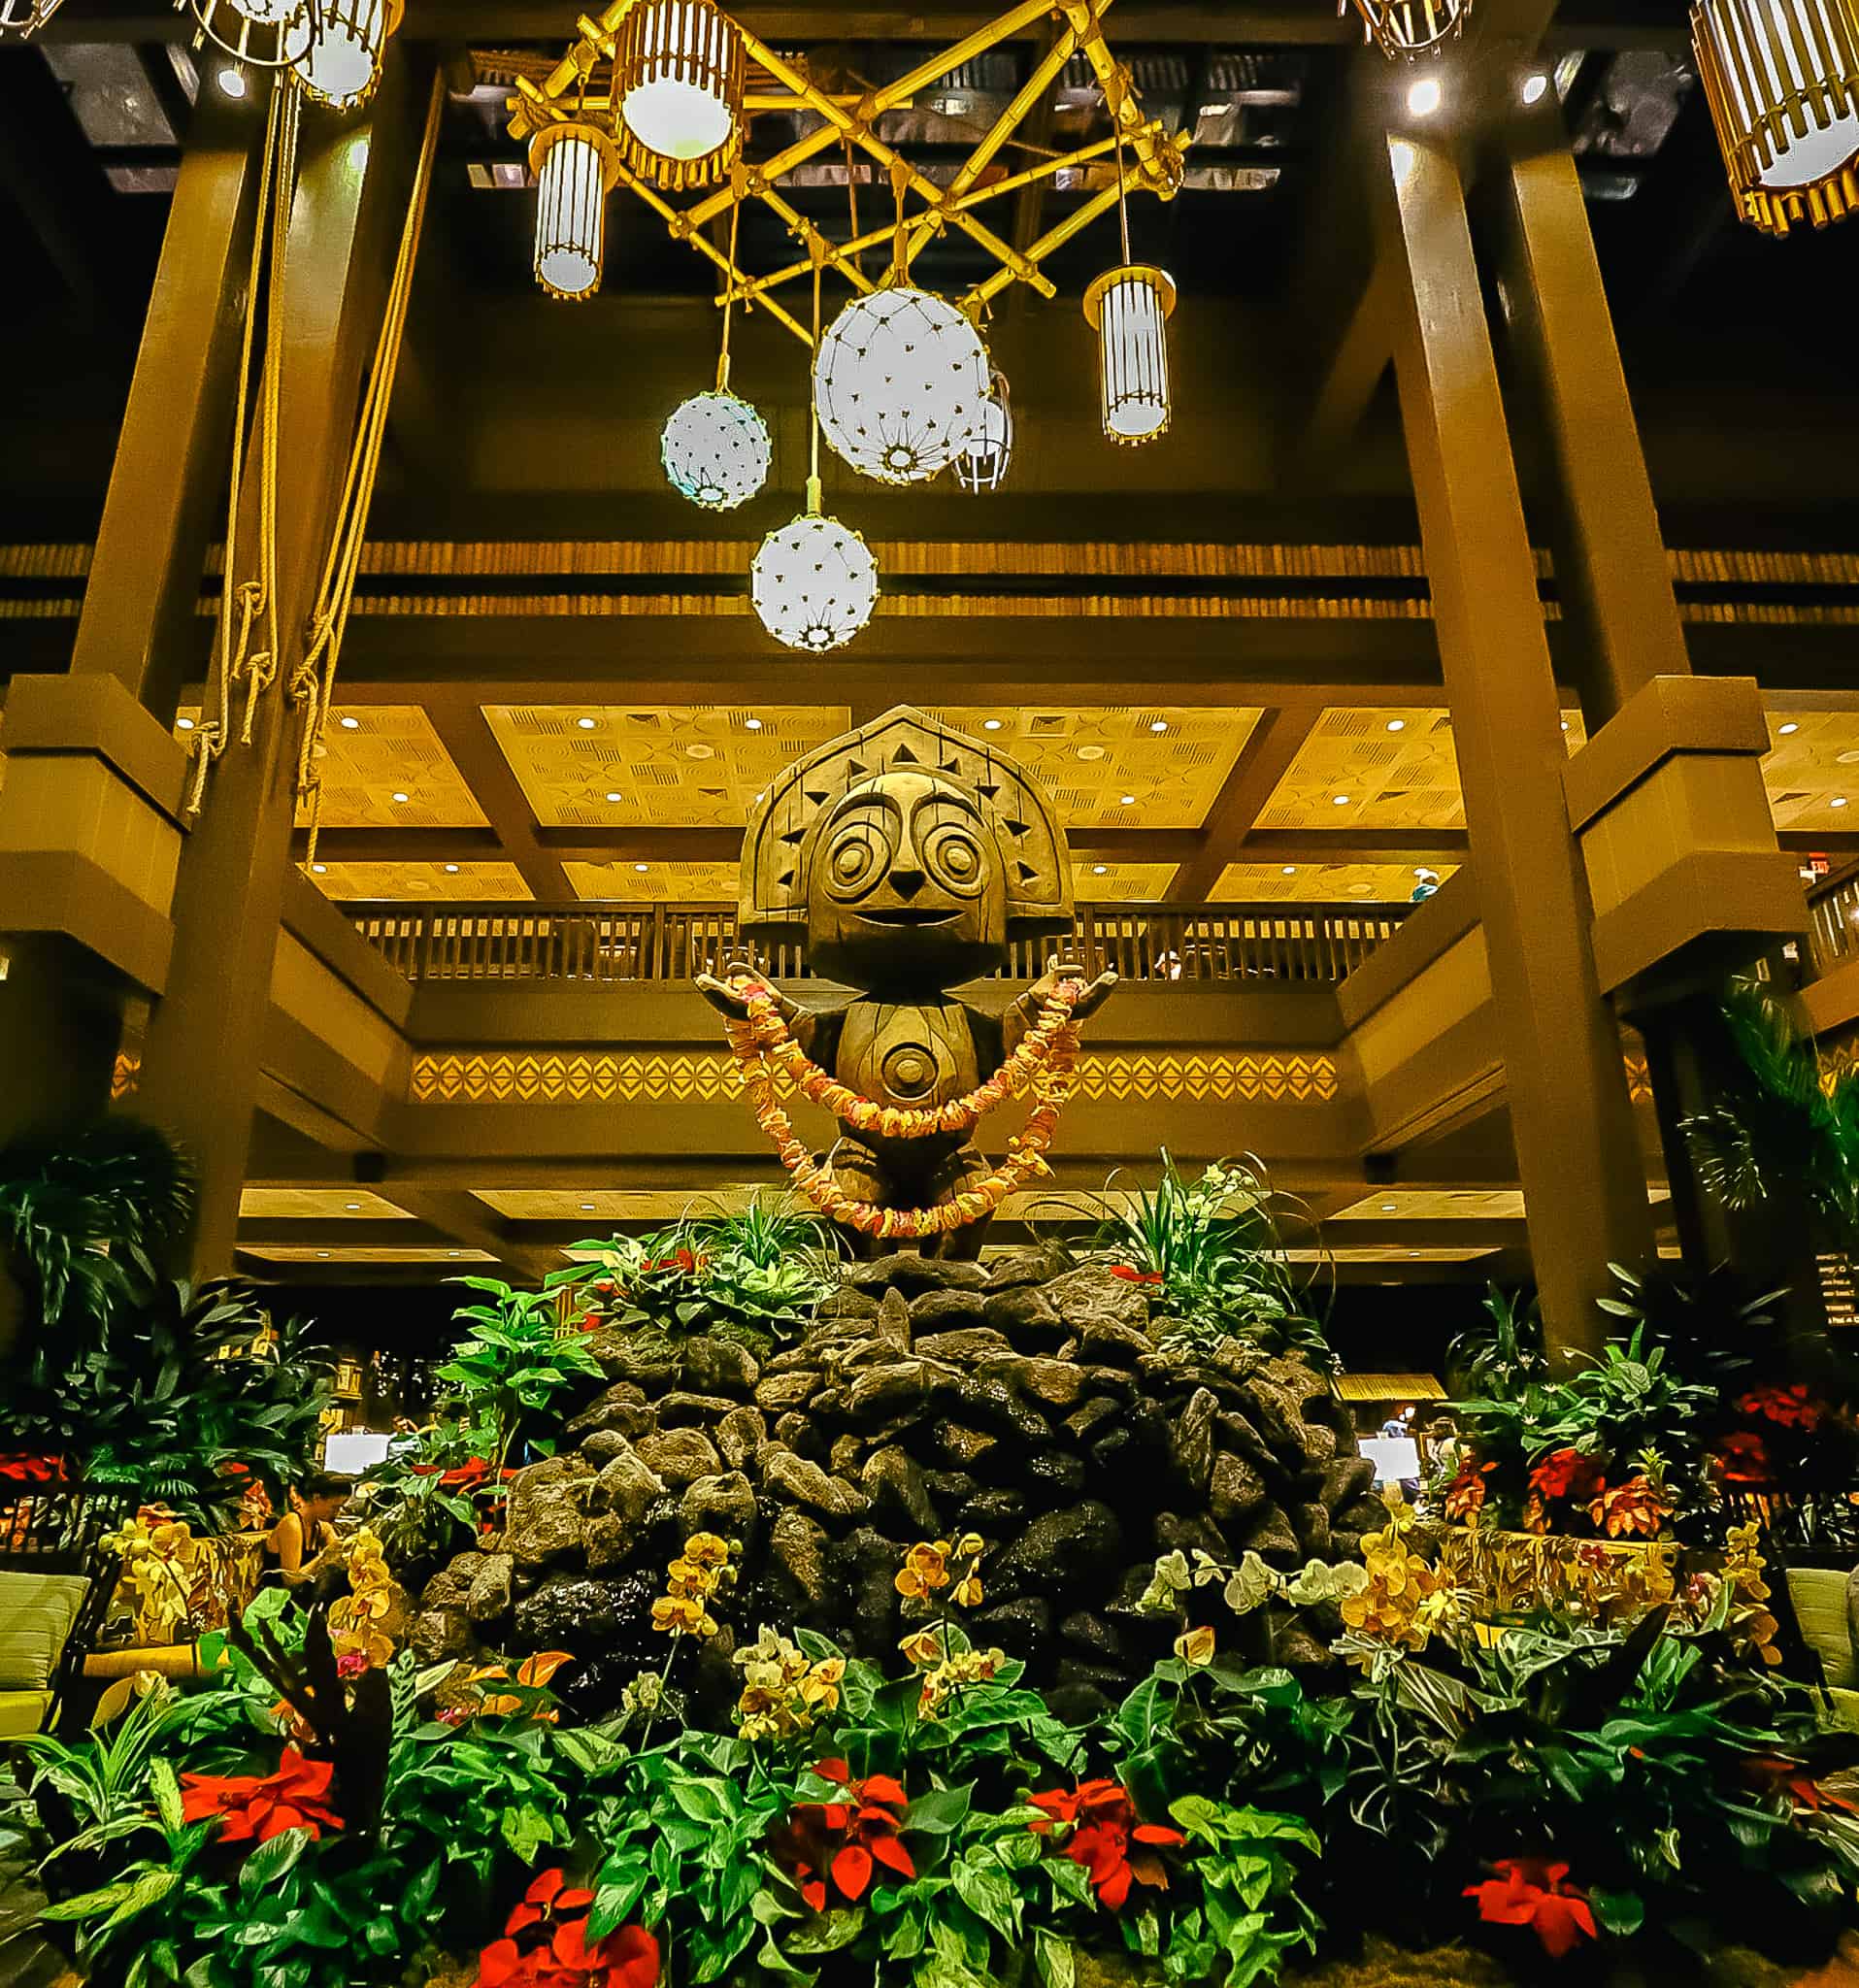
[515,1361]
[1250,1914]
[426,1500]
[1505,1356]
[1213,1248]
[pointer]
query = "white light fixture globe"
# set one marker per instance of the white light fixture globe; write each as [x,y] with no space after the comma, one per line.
[348,39]
[1128,307]
[981,463]
[258,33]
[813,582]
[678,80]
[715,450]
[900,381]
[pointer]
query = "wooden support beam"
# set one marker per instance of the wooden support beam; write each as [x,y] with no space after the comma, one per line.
[467,737]
[1263,761]
[468,1221]
[1577,1150]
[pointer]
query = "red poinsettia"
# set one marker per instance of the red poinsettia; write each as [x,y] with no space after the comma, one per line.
[1466,1494]
[1529,1891]
[563,1957]
[1568,1473]
[844,1842]
[1788,1407]
[1107,1838]
[1743,1458]
[17,1467]
[1130,1275]
[1773,1773]
[465,1477]
[255,1807]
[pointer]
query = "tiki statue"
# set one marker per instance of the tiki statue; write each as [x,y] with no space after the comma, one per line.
[907,856]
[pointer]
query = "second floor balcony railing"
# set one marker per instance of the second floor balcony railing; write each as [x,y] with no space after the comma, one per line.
[581,943]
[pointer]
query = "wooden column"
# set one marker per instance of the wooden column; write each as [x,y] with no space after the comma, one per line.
[168,488]
[1576,1156]
[1611,575]
[201,1056]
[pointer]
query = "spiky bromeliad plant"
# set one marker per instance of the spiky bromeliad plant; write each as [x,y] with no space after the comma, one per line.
[1215,1249]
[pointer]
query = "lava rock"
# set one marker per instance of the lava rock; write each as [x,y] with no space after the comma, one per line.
[547,1503]
[968,1347]
[804,1483]
[625,1355]
[802,1434]
[995,1515]
[910,1273]
[1111,1341]
[681,1409]
[1036,1263]
[626,1487]
[740,1435]
[1057,1383]
[719,1366]
[993,1403]
[442,1633]
[1091,1296]
[780,1392]
[958,1445]
[568,1611]
[1191,1533]
[1235,1490]
[1019,1627]
[1060,1551]
[1027,1317]
[1096,1639]
[880,1392]
[844,1304]
[797,1545]
[1191,1443]
[490,1595]
[610,1540]
[449,1586]
[892,1327]
[724,1505]
[679,1456]
[1092,1415]
[1054,1476]
[1311,1524]
[1346,1480]
[603,1444]
[946,1311]
[621,1406]
[1271,1534]
[893,1481]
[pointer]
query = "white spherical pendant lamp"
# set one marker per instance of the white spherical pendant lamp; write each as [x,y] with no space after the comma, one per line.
[900,380]
[813,582]
[1781,78]
[981,464]
[716,451]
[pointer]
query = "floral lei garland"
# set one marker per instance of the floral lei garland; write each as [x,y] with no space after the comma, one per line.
[1042,1063]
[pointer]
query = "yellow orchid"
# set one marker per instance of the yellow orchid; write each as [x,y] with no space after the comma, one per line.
[682,1615]
[925,1569]
[1195,1647]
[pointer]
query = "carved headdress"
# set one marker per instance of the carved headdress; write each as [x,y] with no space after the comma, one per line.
[779,848]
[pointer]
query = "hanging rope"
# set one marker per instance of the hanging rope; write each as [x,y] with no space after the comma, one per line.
[244,602]
[729,290]
[312,682]
[816,248]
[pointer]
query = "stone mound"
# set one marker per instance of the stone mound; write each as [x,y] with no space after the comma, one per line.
[1034,1402]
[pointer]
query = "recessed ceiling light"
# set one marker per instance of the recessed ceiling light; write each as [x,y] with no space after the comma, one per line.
[587,724]
[1838,801]
[183,724]
[614,797]
[1534,88]
[1289,870]
[1339,800]
[322,1252]
[1413,1252]
[451,869]
[1785,730]
[1424,98]
[1565,724]
[349,724]
[320,868]
[454,1252]
[587,1207]
[1092,753]
[641,868]
[1097,869]
[1128,801]
[1387,1207]
[1158,724]
[350,1207]
[1397,724]
[400,797]
[990,724]
[753,724]
[1849,757]
[232,81]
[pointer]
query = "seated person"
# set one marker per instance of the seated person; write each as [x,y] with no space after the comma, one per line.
[296,1545]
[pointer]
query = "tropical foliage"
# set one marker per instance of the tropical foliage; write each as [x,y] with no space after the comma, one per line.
[511,1364]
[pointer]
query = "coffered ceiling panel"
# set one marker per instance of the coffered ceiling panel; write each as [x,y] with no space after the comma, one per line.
[679,884]
[1120,883]
[1120,766]
[1377,768]
[694,766]
[317,1205]
[1320,882]
[1813,771]
[463,883]
[384,768]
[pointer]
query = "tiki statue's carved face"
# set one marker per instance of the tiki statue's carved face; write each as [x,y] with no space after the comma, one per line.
[906,885]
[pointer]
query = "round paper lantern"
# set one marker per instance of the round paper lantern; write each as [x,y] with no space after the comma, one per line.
[814,582]
[981,463]
[716,449]
[900,380]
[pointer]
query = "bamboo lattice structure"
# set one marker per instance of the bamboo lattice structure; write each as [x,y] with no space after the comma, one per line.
[1150,155]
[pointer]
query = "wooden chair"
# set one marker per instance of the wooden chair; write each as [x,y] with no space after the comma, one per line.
[56,1530]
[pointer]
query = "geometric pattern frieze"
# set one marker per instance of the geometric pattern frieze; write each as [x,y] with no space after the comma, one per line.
[548,1076]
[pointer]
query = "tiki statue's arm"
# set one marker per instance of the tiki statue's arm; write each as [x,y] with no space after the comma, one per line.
[1020,1016]
[730,1002]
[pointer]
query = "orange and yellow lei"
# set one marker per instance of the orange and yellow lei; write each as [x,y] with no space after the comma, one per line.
[1042,1063]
